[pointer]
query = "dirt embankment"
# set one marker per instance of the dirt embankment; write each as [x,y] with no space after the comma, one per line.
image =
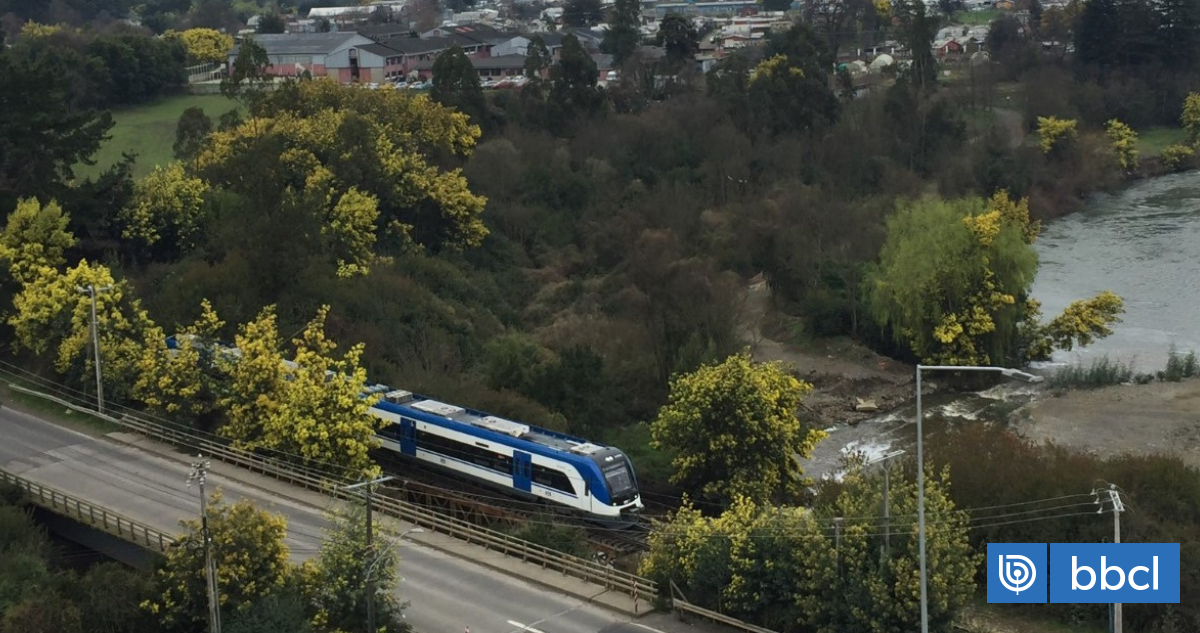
[844,374]
[1139,419]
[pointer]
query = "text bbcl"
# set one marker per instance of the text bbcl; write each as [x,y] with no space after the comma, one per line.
[1114,572]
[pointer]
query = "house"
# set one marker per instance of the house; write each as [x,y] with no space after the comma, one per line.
[489,68]
[948,48]
[319,54]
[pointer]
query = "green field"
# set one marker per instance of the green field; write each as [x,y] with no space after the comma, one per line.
[978,18]
[149,131]
[1152,141]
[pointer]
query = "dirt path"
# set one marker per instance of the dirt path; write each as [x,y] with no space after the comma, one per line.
[841,371]
[1154,418]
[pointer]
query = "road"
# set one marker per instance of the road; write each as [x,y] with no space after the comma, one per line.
[446,594]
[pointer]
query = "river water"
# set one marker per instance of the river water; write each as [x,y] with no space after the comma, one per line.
[1142,243]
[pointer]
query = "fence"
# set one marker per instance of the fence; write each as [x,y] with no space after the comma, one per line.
[204,72]
[90,514]
[589,571]
[681,606]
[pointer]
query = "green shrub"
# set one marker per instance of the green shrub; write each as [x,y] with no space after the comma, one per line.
[1101,373]
[1179,366]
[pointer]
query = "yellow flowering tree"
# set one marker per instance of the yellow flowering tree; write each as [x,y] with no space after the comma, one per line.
[203,45]
[52,315]
[1124,143]
[185,381]
[953,286]
[251,558]
[35,237]
[256,382]
[323,415]
[733,429]
[359,162]
[165,208]
[1190,118]
[1055,132]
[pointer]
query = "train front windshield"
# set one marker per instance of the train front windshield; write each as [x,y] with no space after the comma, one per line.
[620,482]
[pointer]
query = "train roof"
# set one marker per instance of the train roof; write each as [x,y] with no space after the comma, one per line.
[398,398]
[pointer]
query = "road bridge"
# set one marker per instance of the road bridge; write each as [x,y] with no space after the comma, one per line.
[450,585]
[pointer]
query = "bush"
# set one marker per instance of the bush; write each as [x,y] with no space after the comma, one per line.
[1179,366]
[1177,157]
[1101,373]
[1021,492]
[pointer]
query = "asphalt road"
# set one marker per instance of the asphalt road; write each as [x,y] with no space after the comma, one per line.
[445,594]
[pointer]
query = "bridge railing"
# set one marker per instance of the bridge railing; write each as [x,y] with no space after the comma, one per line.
[584,569]
[91,514]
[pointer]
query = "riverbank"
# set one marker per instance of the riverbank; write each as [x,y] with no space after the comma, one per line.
[1161,417]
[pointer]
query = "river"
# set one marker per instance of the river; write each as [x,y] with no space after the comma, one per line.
[1142,242]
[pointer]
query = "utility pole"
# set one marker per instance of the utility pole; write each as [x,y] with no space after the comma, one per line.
[91,291]
[887,523]
[368,558]
[200,473]
[1118,508]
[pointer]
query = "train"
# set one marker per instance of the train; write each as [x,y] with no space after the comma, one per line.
[586,478]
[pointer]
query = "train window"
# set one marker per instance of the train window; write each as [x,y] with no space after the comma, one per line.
[618,478]
[552,478]
[465,452]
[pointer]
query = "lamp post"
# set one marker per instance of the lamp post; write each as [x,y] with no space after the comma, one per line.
[379,557]
[1005,371]
[369,582]
[91,290]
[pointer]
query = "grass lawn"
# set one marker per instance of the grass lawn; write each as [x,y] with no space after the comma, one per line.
[1152,141]
[977,18]
[149,131]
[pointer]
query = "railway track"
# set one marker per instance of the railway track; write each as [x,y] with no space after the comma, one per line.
[487,507]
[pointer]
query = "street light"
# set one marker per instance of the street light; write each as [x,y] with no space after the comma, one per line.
[379,557]
[370,584]
[91,290]
[1004,371]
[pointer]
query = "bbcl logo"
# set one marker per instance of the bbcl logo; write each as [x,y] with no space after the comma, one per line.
[1114,572]
[1016,572]
[1083,573]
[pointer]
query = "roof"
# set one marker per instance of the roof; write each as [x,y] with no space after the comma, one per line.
[380,50]
[415,45]
[486,63]
[301,43]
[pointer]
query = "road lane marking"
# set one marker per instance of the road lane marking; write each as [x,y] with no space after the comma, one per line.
[648,628]
[523,627]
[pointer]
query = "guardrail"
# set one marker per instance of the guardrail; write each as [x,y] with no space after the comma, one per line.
[91,514]
[681,606]
[589,571]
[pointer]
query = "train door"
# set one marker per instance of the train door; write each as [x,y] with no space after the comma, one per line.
[522,470]
[408,437]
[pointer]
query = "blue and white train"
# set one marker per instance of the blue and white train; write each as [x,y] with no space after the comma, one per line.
[597,481]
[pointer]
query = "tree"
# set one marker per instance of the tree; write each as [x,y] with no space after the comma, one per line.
[109,597]
[256,382]
[573,90]
[186,381]
[1191,118]
[191,132]
[623,36]
[456,84]
[734,430]
[250,556]
[1096,34]
[537,59]
[46,128]
[324,417]
[50,314]
[166,210]
[248,73]
[338,576]
[203,46]
[271,22]
[581,13]
[917,31]
[1055,133]
[1124,143]
[46,612]
[952,285]
[358,163]
[139,68]
[678,38]
[778,567]
[35,237]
